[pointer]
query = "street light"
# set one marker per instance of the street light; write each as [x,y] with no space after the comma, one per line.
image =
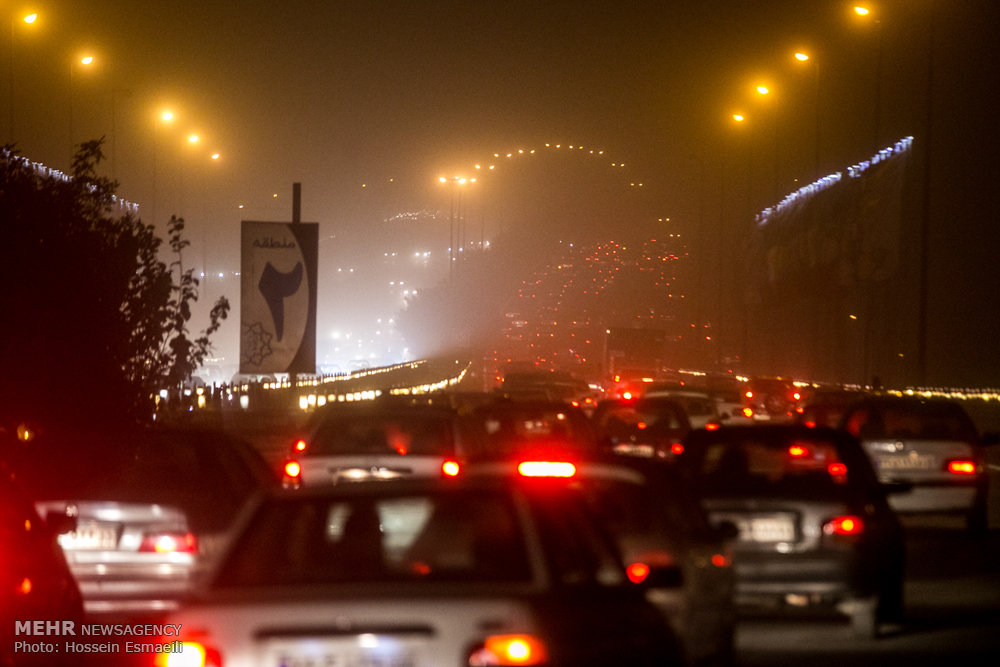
[85,61]
[803,57]
[28,19]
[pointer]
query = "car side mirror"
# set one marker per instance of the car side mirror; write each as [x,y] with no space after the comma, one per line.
[60,523]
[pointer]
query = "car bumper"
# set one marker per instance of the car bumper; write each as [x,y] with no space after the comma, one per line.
[938,498]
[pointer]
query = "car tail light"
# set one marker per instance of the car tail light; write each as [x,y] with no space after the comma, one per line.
[677,449]
[546,469]
[510,650]
[837,469]
[748,412]
[300,446]
[712,426]
[189,654]
[844,525]
[962,467]
[722,560]
[451,468]
[293,471]
[637,572]
[169,543]
[798,451]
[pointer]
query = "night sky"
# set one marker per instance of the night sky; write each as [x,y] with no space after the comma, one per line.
[366,104]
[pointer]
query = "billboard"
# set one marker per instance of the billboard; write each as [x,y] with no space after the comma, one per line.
[278,297]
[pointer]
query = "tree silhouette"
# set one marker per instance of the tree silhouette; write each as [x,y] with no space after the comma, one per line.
[94,320]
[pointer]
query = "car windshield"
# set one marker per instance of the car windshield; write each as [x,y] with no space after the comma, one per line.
[799,466]
[924,421]
[403,434]
[464,537]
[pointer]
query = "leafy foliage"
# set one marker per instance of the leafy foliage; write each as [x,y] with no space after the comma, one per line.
[94,319]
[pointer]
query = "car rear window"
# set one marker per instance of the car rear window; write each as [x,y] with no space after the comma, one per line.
[350,435]
[798,466]
[459,536]
[920,420]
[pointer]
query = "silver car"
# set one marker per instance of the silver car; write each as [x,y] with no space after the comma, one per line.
[423,572]
[151,507]
[929,449]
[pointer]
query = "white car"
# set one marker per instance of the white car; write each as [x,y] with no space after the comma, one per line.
[423,572]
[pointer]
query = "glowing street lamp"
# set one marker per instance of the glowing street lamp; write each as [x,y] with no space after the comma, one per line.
[86,61]
[861,11]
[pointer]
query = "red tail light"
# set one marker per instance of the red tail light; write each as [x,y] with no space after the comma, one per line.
[722,560]
[677,448]
[169,543]
[300,446]
[962,467]
[837,469]
[510,650]
[748,412]
[637,572]
[712,426]
[798,451]
[546,469]
[450,468]
[293,474]
[844,525]
[190,654]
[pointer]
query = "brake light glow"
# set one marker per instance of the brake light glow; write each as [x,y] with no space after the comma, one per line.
[627,395]
[293,469]
[677,448]
[190,654]
[546,469]
[962,467]
[837,469]
[169,543]
[721,560]
[748,412]
[844,525]
[798,451]
[712,426]
[300,446]
[450,468]
[637,572]
[510,650]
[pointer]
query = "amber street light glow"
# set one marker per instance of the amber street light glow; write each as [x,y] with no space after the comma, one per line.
[861,11]
[763,90]
[31,18]
[738,117]
[802,56]
[193,138]
[87,60]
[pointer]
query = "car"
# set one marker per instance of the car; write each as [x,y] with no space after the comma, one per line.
[661,532]
[826,406]
[815,528]
[151,506]
[503,426]
[35,580]
[928,447]
[423,571]
[652,427]
[772,398]
[376,440]
[701,408]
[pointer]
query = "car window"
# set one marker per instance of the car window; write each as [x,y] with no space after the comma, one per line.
[377,435]
[798,466]
[468,537]
[579,553]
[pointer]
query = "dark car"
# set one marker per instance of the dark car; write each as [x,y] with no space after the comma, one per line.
[151,506]
[506,426]
[652,427]
[815,528]
[662,533]
[826,406]
[930,449]
[425,571]
[35,581]
[376,440]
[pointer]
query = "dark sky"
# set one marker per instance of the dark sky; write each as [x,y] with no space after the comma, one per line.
[344,96]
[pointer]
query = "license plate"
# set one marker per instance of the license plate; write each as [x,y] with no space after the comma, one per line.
[362,651]
[912,461]
[772,529]
[91,536]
